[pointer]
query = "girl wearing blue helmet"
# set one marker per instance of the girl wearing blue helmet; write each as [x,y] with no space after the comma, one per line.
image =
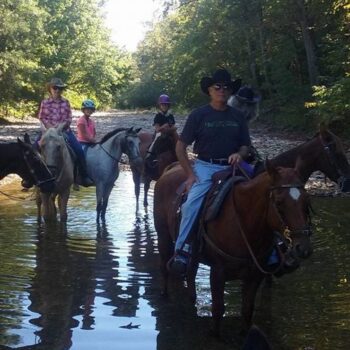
[85,125]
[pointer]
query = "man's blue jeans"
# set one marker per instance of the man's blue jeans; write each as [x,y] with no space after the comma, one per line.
[191,207]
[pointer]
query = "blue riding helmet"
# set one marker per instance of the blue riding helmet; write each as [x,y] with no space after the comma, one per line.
[88,104]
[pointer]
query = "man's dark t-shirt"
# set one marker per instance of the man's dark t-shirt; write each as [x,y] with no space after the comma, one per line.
[216,134]
[162,119]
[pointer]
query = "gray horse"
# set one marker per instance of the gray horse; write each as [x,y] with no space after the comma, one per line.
[102,163]
[56,155]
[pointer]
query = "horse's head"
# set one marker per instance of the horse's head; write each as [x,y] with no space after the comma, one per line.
[163,153]
[40,175]
[166,142]
[131,146]
[51,144]
[289,211]
[332,159]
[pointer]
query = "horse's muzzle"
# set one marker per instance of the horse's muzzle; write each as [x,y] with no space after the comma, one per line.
[302,250]
[344,183]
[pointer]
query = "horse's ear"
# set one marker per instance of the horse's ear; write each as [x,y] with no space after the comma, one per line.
[130,130]
[19,141]
[42,126]
[27,139]
[271,169]
[60,127]
[138,130]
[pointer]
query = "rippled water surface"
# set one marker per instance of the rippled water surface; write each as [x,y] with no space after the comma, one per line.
[97,287]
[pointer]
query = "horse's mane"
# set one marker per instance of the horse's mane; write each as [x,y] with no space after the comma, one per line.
[165,143]
[111,133]
[291,152]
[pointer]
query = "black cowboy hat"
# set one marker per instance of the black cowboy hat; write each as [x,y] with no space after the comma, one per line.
[246,95]
[220,76]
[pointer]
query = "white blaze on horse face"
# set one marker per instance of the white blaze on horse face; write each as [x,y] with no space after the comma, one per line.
[294,193]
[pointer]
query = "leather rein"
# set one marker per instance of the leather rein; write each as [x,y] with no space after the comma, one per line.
[286,235]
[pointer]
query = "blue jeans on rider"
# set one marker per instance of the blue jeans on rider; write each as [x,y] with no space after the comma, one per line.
[191,207]
[75,144]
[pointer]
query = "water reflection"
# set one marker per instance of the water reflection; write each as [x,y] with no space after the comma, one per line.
[97,287]
[61,289]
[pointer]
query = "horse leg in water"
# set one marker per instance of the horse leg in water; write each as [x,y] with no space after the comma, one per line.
[48,207]
[217,286]
[102,195]
[147,183]
[62,204]
[191,280]
[38,204]
[106,195]
[136,176]
[166,250]
[249,288]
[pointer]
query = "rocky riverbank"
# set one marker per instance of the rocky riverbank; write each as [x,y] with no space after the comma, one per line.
[268,142]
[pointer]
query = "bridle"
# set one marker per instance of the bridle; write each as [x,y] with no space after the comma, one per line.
[123,147]
[38,182]
[286,234]
[330,154]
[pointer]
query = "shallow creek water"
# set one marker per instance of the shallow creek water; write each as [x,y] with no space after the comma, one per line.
[97,287]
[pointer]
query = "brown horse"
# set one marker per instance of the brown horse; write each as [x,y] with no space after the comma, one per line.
[239,240]
[163,154]
[324,152]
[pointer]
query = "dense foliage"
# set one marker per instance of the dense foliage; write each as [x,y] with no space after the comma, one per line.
[295,52]
[40,39]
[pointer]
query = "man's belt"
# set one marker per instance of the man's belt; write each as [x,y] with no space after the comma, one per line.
[220,161]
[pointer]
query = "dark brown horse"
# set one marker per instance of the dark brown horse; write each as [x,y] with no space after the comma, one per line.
[23,159]
[163,154]
[239,240]
[324,152]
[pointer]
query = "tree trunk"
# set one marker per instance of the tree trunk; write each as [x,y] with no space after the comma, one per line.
[308,44]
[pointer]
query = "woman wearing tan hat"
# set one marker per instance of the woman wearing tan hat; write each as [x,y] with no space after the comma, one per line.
[56,110]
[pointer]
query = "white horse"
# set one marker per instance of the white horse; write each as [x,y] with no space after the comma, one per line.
[102,163]
[57,157]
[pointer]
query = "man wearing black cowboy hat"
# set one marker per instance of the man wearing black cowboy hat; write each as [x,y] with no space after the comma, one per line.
[220,135]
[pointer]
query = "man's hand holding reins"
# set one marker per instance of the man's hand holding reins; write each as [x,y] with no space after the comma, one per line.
[234,158]
[181,154]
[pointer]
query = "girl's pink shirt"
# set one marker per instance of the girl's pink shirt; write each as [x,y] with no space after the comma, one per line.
[89,127]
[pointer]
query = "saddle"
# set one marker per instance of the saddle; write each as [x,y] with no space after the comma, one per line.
[222,183]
